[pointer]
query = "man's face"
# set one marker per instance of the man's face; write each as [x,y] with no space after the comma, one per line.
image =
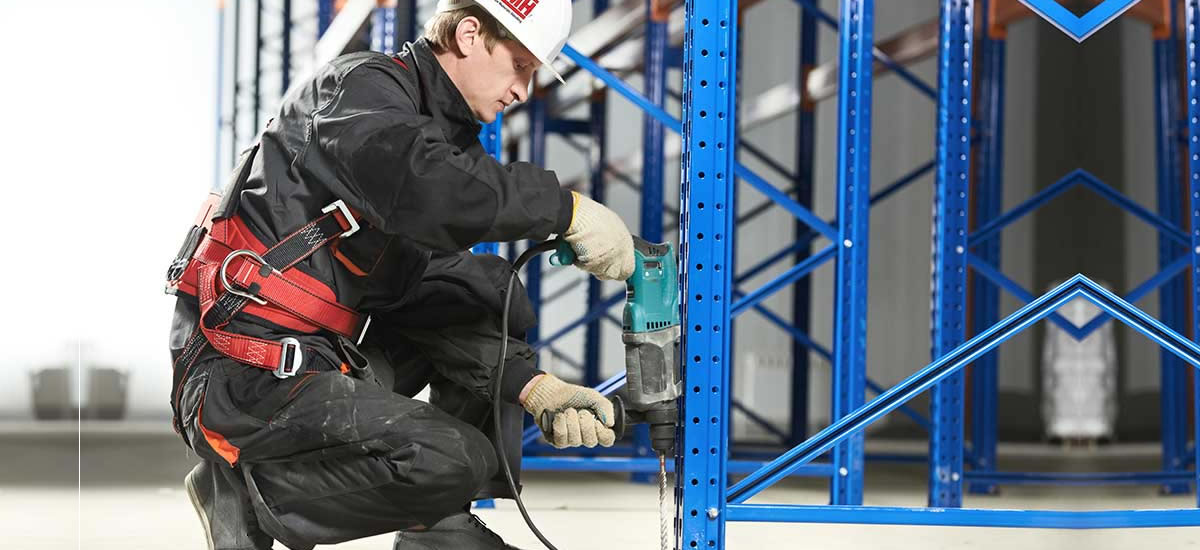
[494,80]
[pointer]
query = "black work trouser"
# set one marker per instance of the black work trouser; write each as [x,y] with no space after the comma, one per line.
[349,458]
[327,457]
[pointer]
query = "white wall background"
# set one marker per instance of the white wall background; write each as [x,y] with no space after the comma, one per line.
[106,153]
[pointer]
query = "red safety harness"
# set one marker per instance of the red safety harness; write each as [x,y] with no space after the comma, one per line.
[230,271]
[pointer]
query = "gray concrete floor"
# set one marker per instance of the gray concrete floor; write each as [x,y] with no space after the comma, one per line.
[123,491]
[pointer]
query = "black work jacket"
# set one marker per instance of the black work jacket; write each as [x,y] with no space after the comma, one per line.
[395,139]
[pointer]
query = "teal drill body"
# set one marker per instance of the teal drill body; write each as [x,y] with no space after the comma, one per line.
[651,337]
[652,292]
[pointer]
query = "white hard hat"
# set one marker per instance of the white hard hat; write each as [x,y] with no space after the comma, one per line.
[539,25]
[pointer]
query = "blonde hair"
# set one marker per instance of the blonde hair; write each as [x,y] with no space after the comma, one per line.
[440,30]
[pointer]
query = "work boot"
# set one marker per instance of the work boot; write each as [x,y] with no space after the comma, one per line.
[225,512]
[462,531]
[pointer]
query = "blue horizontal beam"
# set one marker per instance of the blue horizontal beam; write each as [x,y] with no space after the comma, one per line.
[648,465]
[786,278]
[1074,478]
[963,517]
[954,361]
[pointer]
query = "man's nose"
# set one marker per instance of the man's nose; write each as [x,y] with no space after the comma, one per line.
[520,90]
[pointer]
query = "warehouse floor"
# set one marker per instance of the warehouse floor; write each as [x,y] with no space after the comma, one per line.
[132,499]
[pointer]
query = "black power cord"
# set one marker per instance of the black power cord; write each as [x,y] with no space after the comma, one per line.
[524,258]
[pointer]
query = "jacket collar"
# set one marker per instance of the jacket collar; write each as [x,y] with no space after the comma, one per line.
[445,103]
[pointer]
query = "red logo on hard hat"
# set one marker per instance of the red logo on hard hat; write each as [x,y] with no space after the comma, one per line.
[521,8]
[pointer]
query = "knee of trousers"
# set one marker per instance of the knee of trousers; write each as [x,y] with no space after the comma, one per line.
[453,460]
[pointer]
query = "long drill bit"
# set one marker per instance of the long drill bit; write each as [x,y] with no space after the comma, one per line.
[664,515]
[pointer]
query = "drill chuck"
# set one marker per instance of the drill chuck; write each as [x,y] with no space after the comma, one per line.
[661,417]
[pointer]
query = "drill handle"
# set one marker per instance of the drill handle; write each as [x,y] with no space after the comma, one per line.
[618,427]
[563,255]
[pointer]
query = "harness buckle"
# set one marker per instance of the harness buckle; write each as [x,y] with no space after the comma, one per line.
[286,369]
[225,280]
[341,205]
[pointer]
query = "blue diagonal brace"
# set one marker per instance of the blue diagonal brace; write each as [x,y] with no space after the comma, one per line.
[1140,292]
[1032,203]
[954,361]
[994,275]
[787,252]
[1164,227]
[674,125]
[1076,332]
[878,54]
[1078,177]
[589,317]
[826,354]
[758,419]
[905,409]
[796,333]
[783,200]
[786,278]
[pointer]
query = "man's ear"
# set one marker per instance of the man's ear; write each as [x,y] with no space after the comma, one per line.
[466,35]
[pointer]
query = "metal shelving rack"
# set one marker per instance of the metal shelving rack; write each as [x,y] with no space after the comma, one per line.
[966,251]
[705,503]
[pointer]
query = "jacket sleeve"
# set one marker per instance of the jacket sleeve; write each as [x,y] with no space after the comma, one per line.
[454,320]
[407,178]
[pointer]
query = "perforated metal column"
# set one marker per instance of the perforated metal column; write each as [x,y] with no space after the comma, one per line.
[986,295]
[1193,125]
[854,192]
[705,224]
[949,247]
[1172,297]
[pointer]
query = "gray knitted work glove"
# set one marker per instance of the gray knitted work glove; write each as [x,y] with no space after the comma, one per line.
[581,416]
[602,243]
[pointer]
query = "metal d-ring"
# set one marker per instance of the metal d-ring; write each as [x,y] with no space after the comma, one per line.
[225,281]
